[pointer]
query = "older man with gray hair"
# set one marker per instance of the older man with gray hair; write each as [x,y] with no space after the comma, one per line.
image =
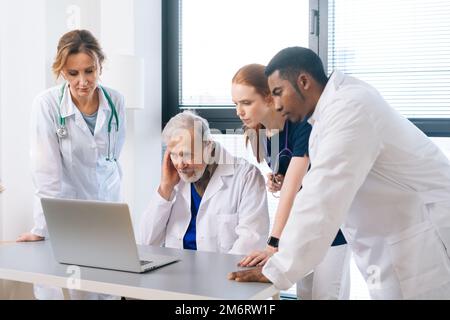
[207,199]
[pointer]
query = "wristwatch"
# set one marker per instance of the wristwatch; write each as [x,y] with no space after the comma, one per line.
[273,242]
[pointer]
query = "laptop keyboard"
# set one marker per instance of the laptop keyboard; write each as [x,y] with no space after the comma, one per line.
[143,262]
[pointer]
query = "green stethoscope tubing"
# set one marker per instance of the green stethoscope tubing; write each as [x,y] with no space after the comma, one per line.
[62,121]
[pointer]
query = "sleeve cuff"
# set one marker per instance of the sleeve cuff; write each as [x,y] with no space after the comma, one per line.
[41,232]
[272,271]
[161,200]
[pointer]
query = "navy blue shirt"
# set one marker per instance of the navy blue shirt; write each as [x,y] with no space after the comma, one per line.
[190,238]
[293,144]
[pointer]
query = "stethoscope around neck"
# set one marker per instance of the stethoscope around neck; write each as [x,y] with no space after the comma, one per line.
[285,153]
[62,132]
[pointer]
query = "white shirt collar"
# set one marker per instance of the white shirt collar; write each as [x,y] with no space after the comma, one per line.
[335,80]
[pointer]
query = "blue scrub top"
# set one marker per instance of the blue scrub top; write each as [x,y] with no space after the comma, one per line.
[190,238]
[297,141]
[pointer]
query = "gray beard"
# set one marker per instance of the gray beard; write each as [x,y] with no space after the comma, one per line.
[195,177]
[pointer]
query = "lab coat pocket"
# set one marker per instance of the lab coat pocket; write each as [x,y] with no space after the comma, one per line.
[227,224]
[419,259]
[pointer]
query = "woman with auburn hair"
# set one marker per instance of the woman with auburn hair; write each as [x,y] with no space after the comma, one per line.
[284,146]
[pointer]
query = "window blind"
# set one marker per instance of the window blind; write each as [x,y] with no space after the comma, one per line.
[401,47]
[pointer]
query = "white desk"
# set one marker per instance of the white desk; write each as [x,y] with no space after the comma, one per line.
[199,275]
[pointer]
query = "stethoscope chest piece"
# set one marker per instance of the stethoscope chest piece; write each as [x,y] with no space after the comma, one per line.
[62,132]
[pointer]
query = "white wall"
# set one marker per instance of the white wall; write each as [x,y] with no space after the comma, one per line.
[147,162]
[63,16]
[22,78]
[31,36]
[138,34]
[1,68]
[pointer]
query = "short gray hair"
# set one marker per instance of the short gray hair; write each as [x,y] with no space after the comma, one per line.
[187,120]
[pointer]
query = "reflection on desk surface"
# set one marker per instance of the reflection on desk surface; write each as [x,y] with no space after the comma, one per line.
[6,242]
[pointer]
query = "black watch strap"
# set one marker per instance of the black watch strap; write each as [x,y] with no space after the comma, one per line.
[273,242]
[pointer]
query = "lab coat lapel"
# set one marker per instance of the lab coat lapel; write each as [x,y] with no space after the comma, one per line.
[81,123]
[103,115]
[185,190]
[332,86]
[69,109]
[222,171]
[214,185]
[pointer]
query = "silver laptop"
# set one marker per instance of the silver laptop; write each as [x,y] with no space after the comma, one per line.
[96,234]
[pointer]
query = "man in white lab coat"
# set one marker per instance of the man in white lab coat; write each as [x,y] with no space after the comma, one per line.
[207,200]
[374,174]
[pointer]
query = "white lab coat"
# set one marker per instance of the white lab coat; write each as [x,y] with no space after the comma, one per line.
[232,217]
[385,182]
[74,167]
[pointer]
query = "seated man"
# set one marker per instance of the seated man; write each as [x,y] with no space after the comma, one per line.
[207,200]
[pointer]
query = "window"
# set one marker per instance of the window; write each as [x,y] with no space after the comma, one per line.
[230,34]
[207,41]
[400,47]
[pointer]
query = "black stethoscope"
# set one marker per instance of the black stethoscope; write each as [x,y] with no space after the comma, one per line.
[62,132]
[285,153]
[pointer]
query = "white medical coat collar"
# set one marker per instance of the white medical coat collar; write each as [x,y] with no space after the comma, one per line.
[68,107]
[336,79]
[217,180]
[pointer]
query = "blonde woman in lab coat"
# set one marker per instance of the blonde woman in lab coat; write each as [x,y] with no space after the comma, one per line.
[78,130]
[373,173]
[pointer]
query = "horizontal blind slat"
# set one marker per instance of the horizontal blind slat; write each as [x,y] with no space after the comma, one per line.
[400,47]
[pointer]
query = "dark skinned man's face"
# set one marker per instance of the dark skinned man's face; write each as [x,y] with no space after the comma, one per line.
[290,101]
